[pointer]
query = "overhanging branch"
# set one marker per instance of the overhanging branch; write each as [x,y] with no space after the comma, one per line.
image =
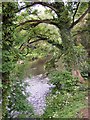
[52,42]
[40,38]
[40,3]
[36,22]
[76,10]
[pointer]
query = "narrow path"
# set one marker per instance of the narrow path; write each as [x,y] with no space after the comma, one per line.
[38,89]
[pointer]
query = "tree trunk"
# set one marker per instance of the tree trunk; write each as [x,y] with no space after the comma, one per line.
[70,55]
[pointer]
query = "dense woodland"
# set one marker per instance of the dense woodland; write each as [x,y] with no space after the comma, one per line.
[54,35]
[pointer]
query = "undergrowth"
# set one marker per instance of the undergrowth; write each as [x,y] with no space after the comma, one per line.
[67,98]
[18,97]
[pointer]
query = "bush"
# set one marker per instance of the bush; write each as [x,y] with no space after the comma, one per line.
[63,81]
[17,96]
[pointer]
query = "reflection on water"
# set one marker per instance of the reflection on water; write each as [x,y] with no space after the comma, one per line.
[37,66]
[37,70]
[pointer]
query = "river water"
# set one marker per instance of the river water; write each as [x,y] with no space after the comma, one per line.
[38,88]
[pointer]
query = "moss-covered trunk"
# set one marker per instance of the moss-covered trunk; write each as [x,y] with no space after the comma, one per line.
[8,16]
[71,58]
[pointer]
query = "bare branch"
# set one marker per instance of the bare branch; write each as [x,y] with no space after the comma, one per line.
[79,19]
[76,10]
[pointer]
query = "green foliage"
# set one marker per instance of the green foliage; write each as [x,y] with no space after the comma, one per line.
[17,100]
[67,98]
[51,64]
[77,58]
[21,71]
[64,105]
[7,36]
[0,85]
[17,95]
[63,81]
[83,6]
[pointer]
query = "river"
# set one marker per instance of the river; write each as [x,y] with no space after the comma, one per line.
[38,86]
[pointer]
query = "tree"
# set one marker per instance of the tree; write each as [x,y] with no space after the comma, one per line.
[62,19]
[7,47]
